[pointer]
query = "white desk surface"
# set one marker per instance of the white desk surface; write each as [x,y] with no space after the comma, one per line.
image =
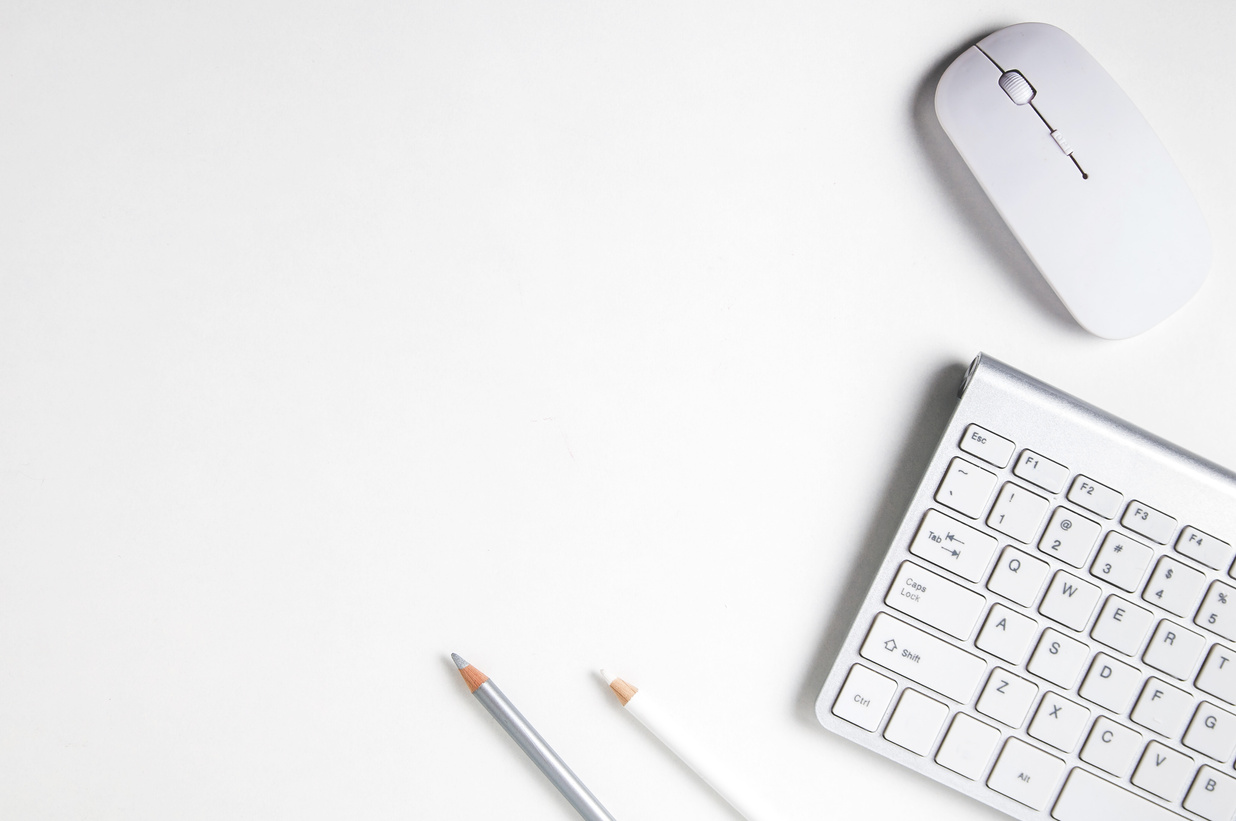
[335,337]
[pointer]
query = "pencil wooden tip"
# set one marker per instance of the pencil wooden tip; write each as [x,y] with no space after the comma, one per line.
[474,677]
[623,690]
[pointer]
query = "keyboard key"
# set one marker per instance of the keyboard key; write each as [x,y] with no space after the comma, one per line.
[1163,772]
[1069,600]
[1206,549]
[986,445]
[1026,774]
[1212,732]
[1018,576]
[932,662]
[1212,796]
[947,543]
[1069,537]
[1110,683]
[968,746]
[1174,586]
[916,722]
[1174,650]
[1122,625]
[1121,561]
[1007,634]
[864,697]
[1218,611]
[1041,471]
[1017,513]
[1162,708]
[1059,722]
[1144,519]
[1058,658]
[1218,676]
[1111,747]
[935,600]
[965,488]
[1007,698]
[1095,497]
[1087,797]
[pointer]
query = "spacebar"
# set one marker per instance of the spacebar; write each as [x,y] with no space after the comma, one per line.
[1086,797]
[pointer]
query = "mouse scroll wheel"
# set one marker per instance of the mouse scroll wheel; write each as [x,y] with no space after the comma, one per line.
[1017,87]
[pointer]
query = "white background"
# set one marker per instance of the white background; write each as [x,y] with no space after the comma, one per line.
[335,337]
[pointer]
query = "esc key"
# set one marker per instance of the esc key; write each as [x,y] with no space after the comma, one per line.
[989,447]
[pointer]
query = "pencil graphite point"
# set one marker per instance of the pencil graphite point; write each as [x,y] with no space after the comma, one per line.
[609,677]
[459,662]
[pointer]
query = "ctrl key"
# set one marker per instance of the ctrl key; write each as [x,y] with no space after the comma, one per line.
[864,697]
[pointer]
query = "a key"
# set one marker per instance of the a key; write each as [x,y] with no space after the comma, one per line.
[1218,611]
[1058,658]
[957,547]
[919,656]
[966,487]
[1204,548]
[1111,747]
[1006,698]
[935,600]
[1212,732]
[1017,512]
[864,697]
[1069,600]
[1087,797]
[1174,586]
[1163,772]
[1173,650]
[1122,625]
[1144,519]
[986,445]
[1018,576]
[1110,683]
[916,722]
[1059,722]
[1097,498]
[1069,537]
[1026,774]
[1041,471]
[1121,561]
[1212,796]
[1007,634]
[1162,708]
[1218,675]
[967,747]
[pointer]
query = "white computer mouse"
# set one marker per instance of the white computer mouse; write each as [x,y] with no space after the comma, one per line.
[1079,176]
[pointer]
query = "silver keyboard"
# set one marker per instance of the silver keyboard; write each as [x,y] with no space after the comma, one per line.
[1052,630]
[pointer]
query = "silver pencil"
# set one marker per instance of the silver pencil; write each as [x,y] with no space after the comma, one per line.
[530,741]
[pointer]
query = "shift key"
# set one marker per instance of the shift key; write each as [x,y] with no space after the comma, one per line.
[923,658]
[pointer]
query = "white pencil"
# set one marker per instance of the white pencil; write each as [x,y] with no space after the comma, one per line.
[696,756]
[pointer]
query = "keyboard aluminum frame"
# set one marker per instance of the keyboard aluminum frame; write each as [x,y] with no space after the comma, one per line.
[1087,440]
